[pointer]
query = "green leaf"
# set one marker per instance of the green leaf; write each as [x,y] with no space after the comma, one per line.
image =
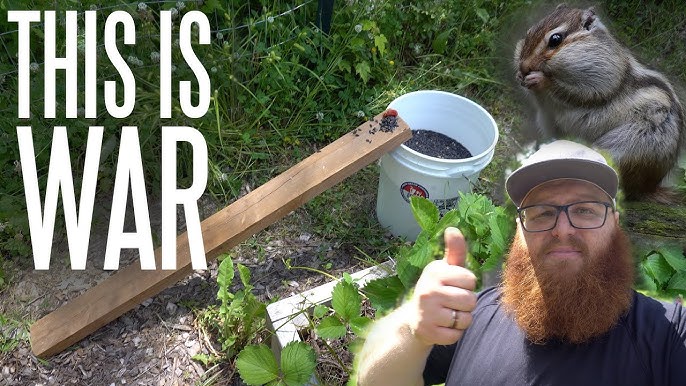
[490,263]
[244,274]
[331,328]
[384,293]
[440,43]
[647,282]
[483,14]
[363,70]
[411,269]
[345,300]
[344,65]
[320,310]
[658,268]
[256,365]
[674,256]
[424,211]
[678,281]
[450,219]
[224,278]
[359,325]
[297,363]
[380,43]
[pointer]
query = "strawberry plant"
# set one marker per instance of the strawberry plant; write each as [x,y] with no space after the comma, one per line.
[486,227]
[663,271]
[257,365]
[344,314]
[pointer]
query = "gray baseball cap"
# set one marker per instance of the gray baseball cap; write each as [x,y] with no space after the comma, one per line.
[558,160]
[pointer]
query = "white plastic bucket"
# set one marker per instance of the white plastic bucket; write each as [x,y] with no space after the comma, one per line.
[405,172]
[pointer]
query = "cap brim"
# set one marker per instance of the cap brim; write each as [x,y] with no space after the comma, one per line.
[522,180]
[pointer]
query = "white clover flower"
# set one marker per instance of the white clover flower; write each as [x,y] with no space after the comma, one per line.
[360,114]
[34,67]
[270,19]
[370,36]
[174,13]
[319,116]
[17,166]
[173,68]
[224,177]
[155,56]
[3,225]
[175,43]
[220,36]
[134,60]
[417,48]
[142,6]
[213,69]
[358,28]
[180,5]
[93,7]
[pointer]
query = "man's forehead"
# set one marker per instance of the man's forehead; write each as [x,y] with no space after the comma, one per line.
[566,189]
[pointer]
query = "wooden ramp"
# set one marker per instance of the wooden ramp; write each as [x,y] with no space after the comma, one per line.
[248,215]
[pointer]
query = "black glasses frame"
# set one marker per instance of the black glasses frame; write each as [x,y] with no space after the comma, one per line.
[564,208]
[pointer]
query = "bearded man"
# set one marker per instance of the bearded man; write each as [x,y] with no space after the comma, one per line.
[565,313]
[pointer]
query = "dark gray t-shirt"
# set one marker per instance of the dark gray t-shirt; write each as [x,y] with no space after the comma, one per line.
[647,347]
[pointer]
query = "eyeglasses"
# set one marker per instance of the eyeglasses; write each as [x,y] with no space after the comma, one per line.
[581,215]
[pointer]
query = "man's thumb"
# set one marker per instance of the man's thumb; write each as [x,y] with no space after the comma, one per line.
[455,247]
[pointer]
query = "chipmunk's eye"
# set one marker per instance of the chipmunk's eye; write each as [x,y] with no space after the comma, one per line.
[555,40]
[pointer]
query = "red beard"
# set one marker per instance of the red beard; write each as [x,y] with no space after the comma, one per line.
[548,304]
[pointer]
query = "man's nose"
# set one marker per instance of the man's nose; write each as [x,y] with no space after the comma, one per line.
[563,225]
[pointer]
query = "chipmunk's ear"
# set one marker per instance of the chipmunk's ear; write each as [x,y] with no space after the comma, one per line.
[588,17]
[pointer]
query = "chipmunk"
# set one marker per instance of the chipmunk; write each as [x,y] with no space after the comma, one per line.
[586,85]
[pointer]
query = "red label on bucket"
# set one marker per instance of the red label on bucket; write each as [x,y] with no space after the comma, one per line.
[408,189]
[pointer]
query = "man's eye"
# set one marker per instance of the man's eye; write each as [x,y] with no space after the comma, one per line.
[585,210]
[546,214]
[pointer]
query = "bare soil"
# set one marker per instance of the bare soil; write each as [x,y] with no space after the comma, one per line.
[153,344]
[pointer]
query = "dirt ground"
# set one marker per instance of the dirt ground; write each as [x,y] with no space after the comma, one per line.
[153,344]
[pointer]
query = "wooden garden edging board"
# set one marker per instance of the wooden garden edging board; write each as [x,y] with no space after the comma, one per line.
[248,215]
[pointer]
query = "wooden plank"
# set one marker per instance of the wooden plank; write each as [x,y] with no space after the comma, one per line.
[248,215]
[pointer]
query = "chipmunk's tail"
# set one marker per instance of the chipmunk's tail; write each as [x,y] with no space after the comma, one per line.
[666,196]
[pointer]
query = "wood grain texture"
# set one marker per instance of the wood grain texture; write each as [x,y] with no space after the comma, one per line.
[248,215]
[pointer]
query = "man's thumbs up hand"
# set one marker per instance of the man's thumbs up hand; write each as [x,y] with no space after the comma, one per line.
[441,305]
